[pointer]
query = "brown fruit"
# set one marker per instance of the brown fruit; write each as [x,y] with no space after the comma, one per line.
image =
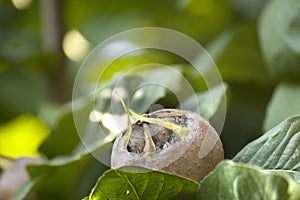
[192,148]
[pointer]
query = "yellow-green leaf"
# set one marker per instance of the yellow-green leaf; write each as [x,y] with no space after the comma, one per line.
[22,136]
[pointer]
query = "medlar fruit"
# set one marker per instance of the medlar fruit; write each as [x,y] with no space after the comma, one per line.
[171,140]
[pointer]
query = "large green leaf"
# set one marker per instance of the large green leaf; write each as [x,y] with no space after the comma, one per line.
[237,181]
[279,148]
[279,31]
[284,103]
[136,183]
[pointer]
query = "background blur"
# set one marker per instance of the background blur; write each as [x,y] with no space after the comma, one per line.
[43,42]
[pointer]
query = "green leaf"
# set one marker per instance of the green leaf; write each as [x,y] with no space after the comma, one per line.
[279,148]
[202,104]
[137,183]
[279,31]
[237,181]
[294,175]
[284,103]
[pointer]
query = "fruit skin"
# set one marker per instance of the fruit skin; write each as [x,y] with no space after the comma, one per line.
[193,157]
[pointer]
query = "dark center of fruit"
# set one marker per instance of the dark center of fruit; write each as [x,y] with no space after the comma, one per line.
[161,136]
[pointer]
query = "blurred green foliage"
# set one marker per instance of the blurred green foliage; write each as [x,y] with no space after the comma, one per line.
[248,44]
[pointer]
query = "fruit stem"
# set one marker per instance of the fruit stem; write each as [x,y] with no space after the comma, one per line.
[128,132]
[149,144]
[182,131]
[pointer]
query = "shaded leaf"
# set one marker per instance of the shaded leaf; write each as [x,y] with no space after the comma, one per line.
[284,103]
[182,16]
[294,175]
[249,10]
[201,12]
[62,177]
[242,181]
[279,148]
[63,138]
[244,116]
[237,54]
[20,92]
[202,102]
[279,37]
[241,59]
[138,183]
[51,113]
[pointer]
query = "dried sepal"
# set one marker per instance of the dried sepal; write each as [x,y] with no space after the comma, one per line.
[128,134]
[149,147]
[179,129]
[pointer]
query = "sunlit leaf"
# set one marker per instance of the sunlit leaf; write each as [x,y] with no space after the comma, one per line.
[22,136]
[130,183]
